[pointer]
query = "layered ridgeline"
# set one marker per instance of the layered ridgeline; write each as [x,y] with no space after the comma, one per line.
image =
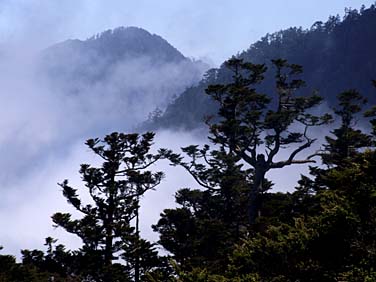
[336,55]
[127,71]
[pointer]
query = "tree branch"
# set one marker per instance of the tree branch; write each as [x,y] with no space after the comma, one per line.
[291,160]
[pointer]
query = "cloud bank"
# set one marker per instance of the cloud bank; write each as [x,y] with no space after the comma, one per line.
[45,121]
[43,129]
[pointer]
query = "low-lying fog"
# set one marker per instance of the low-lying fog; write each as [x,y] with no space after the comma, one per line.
[42,143]
[43,129]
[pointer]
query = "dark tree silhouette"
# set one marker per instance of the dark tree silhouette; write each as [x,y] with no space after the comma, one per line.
[347,141]
[115,189]
[250,122]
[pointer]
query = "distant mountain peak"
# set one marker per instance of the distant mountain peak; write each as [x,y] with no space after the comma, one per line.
[119,44]
[135,70]
[130,31]
[133,41]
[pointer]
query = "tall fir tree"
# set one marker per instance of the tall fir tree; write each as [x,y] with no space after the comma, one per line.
[211,220]
[115,189]
[347,140]
[251,123]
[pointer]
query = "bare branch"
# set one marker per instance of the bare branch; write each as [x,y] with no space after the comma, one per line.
[291,160]
[275,150]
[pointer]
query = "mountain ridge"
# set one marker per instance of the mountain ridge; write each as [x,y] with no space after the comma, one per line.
[127,69]
[334,54]
[129,41]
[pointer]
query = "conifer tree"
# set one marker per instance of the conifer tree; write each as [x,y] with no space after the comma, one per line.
[251,123]
[211,220]
[339,151]
[115,189]
[371,113]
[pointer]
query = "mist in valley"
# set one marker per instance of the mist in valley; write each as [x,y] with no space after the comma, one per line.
[46,120]
[54,97]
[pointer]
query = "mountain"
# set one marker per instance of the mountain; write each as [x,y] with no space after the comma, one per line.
[336,55]
[128,71]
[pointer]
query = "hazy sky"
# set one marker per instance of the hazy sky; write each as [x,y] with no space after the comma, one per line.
[211,29]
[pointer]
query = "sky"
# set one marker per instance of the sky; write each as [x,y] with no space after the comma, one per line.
[43,132]
[212,29]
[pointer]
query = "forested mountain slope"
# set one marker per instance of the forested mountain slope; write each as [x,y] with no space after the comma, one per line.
[336,55]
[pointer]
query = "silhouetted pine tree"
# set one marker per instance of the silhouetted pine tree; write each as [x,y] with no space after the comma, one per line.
[114,188]
[250,124]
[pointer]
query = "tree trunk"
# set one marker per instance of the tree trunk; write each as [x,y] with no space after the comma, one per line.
[109,242]
[137,252]
[108,253]
[254,204]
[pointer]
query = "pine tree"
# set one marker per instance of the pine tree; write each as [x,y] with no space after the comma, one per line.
[249,122]
[115,189]
[371,113]
[211,220]
[339,151]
